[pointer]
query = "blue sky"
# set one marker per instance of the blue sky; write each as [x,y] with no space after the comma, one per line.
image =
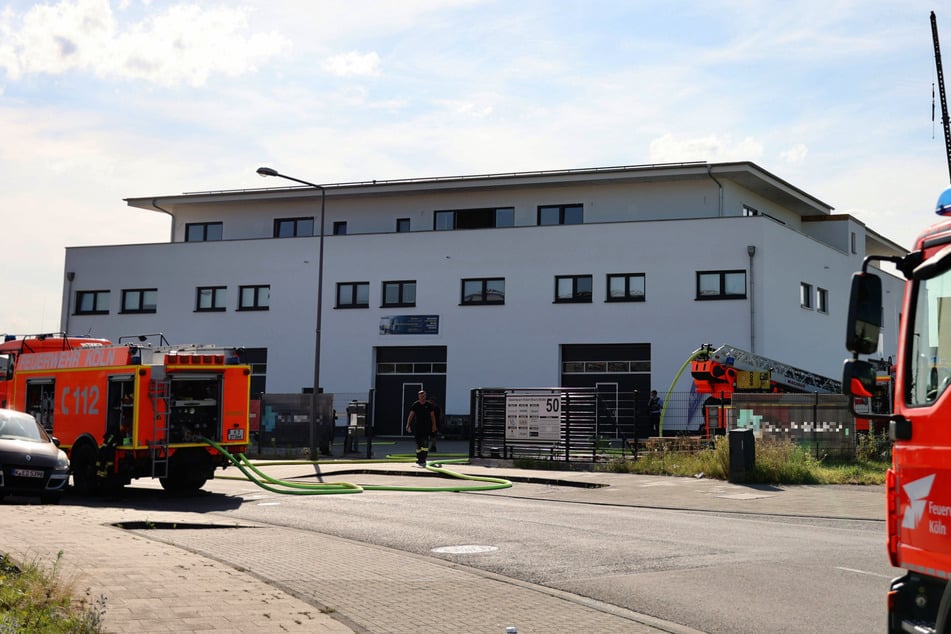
[103,100]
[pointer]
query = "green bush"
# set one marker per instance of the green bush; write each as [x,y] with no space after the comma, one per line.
[776,462]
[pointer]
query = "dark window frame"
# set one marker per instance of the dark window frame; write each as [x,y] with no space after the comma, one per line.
[295,224]
[484,295]
[562,214]
[722,285]
[401,286]
[99,297]
[805,295]
[577,296]
[822,300]
[141,307]
[628,295]
[204,226]
[218,300]
[256,303]
[354,292]
[475,218]
[403,225]
[340,228]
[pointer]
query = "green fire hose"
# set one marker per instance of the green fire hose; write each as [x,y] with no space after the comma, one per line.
[261,479]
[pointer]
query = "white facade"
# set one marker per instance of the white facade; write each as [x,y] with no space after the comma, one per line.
[665,222]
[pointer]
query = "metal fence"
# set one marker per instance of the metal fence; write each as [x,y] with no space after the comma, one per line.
[285,423]
[563,424]
[821,423]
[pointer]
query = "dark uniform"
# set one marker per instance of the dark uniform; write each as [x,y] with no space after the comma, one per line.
[420,422]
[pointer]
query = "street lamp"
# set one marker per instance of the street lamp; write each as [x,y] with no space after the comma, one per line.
[267,171]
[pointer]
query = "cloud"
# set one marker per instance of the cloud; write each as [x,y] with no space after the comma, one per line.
[795,154]
[184,44]
[352,63]
[668,149]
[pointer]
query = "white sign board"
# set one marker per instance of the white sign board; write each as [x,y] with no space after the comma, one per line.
[533,416]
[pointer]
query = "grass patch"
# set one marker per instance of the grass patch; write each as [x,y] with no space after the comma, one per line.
[776,462]
[36,599]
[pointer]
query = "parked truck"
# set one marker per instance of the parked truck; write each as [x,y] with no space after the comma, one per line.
[918,484]
[131,410]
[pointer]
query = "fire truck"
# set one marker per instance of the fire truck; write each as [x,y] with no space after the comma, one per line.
[131,410]
[720,372]
[918,484]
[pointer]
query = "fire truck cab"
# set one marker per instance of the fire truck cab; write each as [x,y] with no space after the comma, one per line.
[125,411]
[918,485]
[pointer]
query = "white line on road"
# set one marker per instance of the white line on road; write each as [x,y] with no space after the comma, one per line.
[863,572]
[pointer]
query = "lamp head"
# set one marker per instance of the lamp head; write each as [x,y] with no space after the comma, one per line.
[267,171]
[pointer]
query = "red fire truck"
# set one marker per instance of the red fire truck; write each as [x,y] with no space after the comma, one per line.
[918,485]
[722,371]
[131,410]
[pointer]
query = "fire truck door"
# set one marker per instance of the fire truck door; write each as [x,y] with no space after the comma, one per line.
[40,401]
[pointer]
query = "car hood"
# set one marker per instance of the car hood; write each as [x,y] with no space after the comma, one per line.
[42,454]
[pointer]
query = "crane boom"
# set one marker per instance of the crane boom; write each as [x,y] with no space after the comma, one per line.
[944,100]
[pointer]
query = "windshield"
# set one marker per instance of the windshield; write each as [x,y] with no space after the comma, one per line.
[929,358]
[21,427]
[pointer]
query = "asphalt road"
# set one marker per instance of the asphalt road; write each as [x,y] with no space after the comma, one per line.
[714,572]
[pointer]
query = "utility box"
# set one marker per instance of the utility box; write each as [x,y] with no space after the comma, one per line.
[742,454]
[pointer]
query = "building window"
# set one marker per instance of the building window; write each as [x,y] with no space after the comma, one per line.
[822,300]
[486,218]
[340,228]
[573,288]
[485,290]
[210,298]
[353,295]
[721,285]
[852,240]
[625,287]
[750,211]
[805,295]
[256,297]
[139,300]
[293,227]
[560,214]
[402,225]
[92,302]
[399,294]
[202,231]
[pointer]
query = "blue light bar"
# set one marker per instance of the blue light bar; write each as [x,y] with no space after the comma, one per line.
[943,208]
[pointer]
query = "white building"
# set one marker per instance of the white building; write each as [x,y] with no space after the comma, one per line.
[608,276]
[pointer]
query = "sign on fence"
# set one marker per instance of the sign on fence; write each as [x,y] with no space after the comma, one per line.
[533,416]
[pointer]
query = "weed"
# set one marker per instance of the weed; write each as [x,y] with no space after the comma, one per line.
[34,599]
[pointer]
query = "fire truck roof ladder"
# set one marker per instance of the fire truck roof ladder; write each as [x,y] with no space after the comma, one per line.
[781,373]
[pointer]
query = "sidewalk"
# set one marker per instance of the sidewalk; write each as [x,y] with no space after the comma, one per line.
[153,585]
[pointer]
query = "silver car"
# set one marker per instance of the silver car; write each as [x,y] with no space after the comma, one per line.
[31,462]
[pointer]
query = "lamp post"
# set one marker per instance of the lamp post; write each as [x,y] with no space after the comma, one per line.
[267,171]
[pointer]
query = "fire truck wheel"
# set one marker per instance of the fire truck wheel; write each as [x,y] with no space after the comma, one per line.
[182,485]
[83,466]
[188,470]
[944,612]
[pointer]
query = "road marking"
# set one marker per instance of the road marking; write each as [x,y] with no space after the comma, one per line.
[466,549]
[863,572]
[269,504]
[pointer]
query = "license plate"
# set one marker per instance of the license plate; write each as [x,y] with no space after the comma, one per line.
[27,473]
[235,434]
